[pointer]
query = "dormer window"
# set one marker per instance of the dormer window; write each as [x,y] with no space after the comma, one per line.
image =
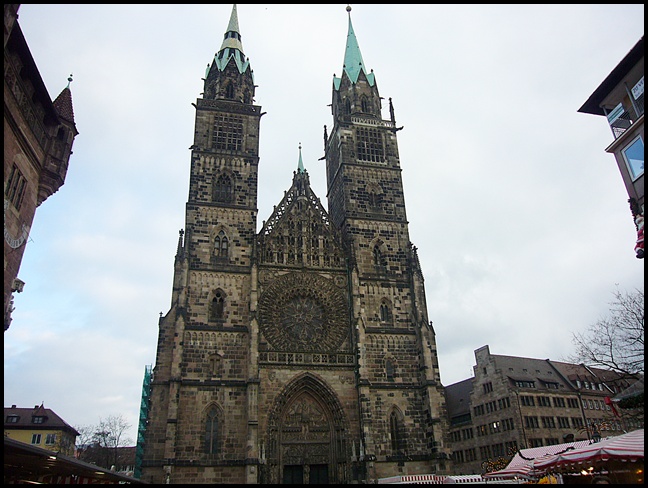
[12,419]
[38,419]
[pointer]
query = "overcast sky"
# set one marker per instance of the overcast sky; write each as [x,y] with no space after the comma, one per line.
[520,216]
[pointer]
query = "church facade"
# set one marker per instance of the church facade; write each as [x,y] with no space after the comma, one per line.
[300,353]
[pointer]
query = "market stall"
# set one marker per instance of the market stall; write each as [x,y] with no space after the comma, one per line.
[619,458]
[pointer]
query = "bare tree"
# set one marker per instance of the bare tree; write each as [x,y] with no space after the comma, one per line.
[615,342]
[100,444]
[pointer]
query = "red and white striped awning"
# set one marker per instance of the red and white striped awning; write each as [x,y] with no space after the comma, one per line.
[626,447]
[521,464]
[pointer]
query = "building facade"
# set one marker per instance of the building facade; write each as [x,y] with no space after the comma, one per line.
[41,427]
[620,98]
[513,403]
[38,138]
[301,353]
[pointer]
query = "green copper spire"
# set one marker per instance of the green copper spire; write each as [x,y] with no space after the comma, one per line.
[353,62]
[300,165]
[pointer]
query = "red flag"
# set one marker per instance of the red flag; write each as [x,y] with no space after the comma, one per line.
[608,401]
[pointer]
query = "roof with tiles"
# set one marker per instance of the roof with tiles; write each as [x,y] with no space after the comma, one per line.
[24,418]
[63,104]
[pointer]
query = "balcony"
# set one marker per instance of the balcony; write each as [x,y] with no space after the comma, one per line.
[624,115]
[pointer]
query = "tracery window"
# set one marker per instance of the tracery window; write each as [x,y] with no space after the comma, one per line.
[365,105]
[385,313]
[217,310]
[211,432]
[221,246]
[223,189]
[378,258]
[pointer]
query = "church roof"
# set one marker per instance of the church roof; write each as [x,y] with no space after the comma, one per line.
[353,63]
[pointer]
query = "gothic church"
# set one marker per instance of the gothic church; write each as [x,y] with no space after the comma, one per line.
[301,353]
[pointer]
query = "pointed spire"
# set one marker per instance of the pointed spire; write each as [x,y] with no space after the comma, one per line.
[63,103]
[353,62]
[300,165]
[233,41]
[232,47]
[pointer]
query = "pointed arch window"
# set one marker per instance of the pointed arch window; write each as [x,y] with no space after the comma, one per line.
[221,246]
[347,106]
[229,91]
[217,306]
[379,259]
[385,313]
[390,370]
[211,432]
[223,189]
[375,199]
[396,433]
[365,105]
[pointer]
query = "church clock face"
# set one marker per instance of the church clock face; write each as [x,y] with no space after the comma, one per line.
[14,242]
[303,312]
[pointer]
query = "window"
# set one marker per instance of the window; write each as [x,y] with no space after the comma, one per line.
[375,199]
[488,387]
[572,403]
[548,422]
[531,422]
[508,424]
[385,313]
[390,370]
[211,432]
[50,439]
[378,258]
[369,145]
[527,401]
[634,157]
[396,432]
[217,306]
[577,422]
[535,442]
[221,245]
[559,402]
[228,132]
[544,401]
[525,384]
[38,419]
[563,422]
[15,189]
[223,189]
[229,91]
[36,439]
[12,419]
[551,442]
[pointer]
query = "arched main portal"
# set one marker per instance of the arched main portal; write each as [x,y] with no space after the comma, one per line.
[308,435]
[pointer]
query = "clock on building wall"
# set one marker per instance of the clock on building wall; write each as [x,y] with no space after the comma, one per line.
[14,242]
[303,312]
